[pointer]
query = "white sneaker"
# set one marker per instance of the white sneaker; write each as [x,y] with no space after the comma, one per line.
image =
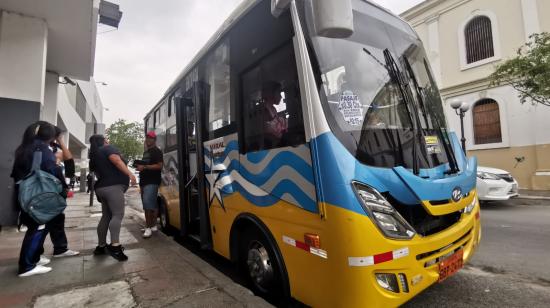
[23,228]
[147,233]
[154,229]
[37,270]
[68,253]
[43,261]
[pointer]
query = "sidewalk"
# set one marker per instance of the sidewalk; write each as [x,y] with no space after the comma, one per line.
[159,272]
[534,194]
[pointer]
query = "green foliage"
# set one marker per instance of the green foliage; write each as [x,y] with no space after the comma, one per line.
[127,137]
[529,71]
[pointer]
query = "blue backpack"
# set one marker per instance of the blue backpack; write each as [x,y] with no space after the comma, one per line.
[39,193]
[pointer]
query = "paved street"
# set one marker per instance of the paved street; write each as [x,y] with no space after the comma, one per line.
[511,267]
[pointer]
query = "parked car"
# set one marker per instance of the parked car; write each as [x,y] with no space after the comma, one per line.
[495,184]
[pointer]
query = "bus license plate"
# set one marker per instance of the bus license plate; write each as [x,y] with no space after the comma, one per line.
[451,265]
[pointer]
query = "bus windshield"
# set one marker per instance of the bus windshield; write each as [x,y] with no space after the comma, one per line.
[378,93]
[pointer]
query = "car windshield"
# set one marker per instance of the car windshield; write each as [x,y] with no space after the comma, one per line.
[378,92]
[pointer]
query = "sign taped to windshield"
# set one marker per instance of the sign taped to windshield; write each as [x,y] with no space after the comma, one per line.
[431,140]
[351,108]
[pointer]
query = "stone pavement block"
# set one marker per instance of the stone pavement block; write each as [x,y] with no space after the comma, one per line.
[65,271]
[18,299]
[114,294]
[207,298]
[101,268]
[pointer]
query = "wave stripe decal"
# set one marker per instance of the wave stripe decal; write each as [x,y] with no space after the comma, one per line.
[263,199]
[263,178]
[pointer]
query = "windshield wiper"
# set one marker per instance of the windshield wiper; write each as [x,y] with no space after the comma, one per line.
[398,79]
[448,151]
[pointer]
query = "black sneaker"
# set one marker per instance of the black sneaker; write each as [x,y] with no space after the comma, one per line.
[117,252]
[99,250]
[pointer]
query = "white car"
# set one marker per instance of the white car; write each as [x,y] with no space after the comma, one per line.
[495,184]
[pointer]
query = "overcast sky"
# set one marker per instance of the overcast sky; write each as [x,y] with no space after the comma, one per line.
[154,42]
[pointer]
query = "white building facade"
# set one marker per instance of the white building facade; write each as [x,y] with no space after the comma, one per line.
[47,51]
[465,40]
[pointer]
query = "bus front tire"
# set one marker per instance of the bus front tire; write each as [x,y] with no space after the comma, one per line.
[164,220]
[257,261]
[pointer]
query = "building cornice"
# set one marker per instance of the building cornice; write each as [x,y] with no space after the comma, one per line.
[467,87]
[430,5]
[420,8]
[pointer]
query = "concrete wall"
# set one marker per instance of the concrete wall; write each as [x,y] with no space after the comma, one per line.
[544,6]
[89,89]
[23,52]
[513,22]
[525,128]
[49,108]
[521,124]
[525,133]
[15,116]
[70,118]
[39,40]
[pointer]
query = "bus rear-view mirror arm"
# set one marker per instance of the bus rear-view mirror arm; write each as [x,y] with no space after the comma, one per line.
[333,18]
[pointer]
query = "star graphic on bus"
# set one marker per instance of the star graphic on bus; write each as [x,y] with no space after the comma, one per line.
[213,177]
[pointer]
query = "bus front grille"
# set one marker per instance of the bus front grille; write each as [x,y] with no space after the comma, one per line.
[422,222]
[433,257]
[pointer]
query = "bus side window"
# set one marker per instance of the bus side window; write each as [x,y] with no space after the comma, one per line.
[272,107]
[219,113]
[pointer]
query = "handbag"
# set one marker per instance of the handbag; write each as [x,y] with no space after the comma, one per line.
[39,193]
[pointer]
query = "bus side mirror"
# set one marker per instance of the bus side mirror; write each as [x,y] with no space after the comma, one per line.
[333,19]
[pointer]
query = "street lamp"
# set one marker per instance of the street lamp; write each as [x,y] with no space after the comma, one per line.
[460,109]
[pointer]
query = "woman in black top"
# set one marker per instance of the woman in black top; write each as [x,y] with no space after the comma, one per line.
[112,182]
[37,137]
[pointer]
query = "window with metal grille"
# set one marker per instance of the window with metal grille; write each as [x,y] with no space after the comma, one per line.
[487,122]
[479,39]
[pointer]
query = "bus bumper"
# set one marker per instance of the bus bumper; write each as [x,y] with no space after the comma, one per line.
[417,266]
[351,280]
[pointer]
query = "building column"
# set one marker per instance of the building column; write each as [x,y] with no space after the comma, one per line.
[49,109]
[83,169]
[433,48]
[531,22]
[23,50]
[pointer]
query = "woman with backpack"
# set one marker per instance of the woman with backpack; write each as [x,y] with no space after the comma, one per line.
[37,138]
[112,182]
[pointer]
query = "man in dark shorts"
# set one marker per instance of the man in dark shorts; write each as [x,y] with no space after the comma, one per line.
[149,181]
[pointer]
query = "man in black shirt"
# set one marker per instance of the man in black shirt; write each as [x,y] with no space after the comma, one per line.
[149,181]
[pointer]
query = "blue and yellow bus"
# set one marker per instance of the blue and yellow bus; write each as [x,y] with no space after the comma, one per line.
[307,143]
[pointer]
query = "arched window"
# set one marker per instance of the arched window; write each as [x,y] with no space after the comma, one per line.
[478,35]
[486,122]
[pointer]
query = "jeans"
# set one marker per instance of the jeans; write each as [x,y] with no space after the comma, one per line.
[149,194]
[33,244]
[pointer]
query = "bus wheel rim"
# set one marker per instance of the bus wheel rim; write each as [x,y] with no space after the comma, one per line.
[259,266]
[163,218]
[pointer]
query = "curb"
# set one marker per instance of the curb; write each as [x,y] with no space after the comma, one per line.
[530,197]
[233,289]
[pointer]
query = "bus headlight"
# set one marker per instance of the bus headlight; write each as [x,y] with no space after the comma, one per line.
[382,213]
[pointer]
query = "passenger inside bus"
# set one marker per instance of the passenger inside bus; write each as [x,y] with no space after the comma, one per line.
[272,103]
[275,124]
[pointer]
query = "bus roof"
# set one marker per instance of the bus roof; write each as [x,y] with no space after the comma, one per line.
[240,11]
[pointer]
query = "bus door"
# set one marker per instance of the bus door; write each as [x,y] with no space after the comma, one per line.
[193,208]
